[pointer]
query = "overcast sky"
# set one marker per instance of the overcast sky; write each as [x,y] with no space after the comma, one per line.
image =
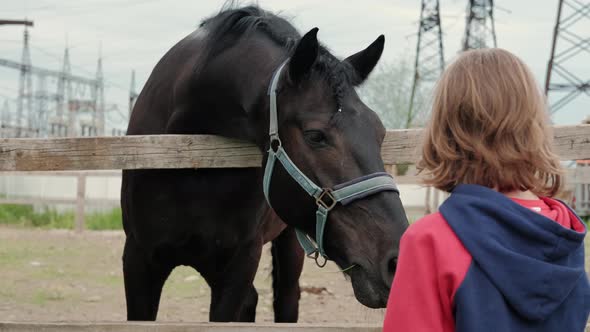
[134,34]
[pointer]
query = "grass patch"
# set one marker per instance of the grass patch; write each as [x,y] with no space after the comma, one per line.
[41,297]
[26,216]
[105,220]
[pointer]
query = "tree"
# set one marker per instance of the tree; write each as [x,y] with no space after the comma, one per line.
[387,92]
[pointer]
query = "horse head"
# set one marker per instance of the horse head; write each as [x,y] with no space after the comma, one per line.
[333,138]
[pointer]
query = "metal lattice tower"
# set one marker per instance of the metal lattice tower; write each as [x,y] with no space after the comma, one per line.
[480,30]
[5,117]
[571,41]
[76,108]
[59,126]
[430,60]
[41,112]
[99,116]
[25,92]
[132,93]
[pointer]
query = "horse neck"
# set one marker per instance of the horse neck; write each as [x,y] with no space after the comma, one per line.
[232,90]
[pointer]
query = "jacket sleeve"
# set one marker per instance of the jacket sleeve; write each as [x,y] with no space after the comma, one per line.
[432,263]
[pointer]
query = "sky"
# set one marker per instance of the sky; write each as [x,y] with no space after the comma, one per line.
[134,34]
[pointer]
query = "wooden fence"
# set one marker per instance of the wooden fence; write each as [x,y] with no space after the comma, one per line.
[203,151]
[182,327]
[177,151]
[40,156]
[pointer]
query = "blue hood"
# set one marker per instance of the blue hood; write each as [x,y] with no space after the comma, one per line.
[532,260]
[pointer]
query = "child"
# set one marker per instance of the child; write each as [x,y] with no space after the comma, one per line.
[501,255]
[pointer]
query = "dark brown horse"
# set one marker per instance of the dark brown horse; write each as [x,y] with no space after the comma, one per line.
[215,81]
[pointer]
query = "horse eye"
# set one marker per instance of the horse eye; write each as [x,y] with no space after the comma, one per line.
[315,137]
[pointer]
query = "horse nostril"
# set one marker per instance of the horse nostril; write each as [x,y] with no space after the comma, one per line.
[389,269]
[392,265]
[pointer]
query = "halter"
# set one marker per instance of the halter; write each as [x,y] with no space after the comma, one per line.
[325,198]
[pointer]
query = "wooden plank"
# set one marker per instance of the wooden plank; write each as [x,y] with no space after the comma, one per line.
[572,142]
[183,327]
[403,146]
[180,327]
[105,173]
[578,175]
[572,175]
[57,201]
[204,151]
[125,152]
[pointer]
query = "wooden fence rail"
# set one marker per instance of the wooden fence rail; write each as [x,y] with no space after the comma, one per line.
[67,155]
[203,151]
[181,327]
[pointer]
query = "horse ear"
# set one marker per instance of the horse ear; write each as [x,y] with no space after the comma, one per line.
[364,61]
[304,56]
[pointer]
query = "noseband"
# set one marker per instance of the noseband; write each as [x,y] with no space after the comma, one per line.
[325,198]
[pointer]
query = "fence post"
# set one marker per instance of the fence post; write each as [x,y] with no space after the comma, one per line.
[80,198]
[427,209]
[435,193]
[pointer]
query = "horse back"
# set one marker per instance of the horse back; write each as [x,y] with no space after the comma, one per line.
[167,85]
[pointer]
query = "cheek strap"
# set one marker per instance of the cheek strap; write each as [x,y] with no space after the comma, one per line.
[326,199]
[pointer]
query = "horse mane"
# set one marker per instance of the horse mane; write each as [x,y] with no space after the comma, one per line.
[232,24]
[241,22]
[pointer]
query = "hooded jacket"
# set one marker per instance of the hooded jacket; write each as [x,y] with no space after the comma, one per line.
[490,263]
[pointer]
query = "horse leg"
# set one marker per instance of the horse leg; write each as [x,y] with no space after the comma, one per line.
[143,282]
[287,263]
[233,296]
[248,312]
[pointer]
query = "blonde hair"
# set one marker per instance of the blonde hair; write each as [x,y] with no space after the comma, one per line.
[489,126]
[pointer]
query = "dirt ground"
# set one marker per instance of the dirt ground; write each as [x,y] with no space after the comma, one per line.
[57,275]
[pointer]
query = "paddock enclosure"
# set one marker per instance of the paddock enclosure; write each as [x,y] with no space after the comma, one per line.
[198,151]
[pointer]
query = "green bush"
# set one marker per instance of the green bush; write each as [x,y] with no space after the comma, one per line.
[105,220]
[26,216]
[15,214]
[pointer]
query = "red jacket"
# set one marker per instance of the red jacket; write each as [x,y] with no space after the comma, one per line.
[433,264]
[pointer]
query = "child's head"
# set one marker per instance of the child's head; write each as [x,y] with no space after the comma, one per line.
[489,126]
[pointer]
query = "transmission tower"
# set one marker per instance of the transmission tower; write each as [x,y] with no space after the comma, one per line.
[59,127]
[430,60]
[479,27]
[25,91]
[132,93]
[574,44]
[6,120]
[40,116]
[99,116]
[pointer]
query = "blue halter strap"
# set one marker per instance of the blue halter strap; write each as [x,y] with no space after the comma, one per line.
[325,198]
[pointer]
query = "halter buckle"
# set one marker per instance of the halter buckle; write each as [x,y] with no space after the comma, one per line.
[329,205]
[275,143]
[320,260]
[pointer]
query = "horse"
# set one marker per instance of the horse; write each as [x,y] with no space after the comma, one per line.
[216,81]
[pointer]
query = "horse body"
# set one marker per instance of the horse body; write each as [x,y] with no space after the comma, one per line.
[204,218]
[215,81]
